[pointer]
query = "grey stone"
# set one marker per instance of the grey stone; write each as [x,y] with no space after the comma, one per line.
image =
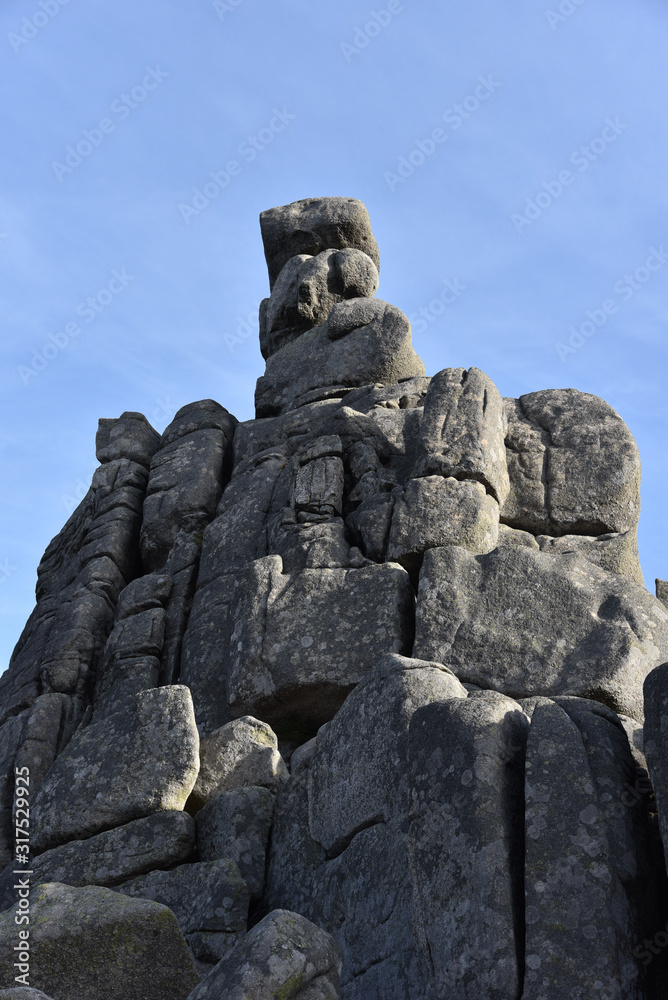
[285,647]
[129,436]
[244,752]
[149,591]
[573,463]
[235,825]
[283,956]
[110,858]
[308,288]
[357,773]
[528,623]
[48,730]
[363,341]
[578,933]
[614,552]
[662,591]
[433,511]
[23,993]
[656,742]
[11,738]
[97,944]
[466,842]
[463,430]
[206,898]
[129,765]
[312,225]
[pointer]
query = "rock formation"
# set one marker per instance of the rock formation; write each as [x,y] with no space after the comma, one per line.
[345,701]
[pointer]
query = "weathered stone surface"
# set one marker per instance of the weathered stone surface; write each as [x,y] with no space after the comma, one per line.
[433,511]
[662,591]
[312,225]
[656,742]
[283,956]
[129,765]
[129,436]
[573,463]
[362,341]
[466,842]
[110,858]
[244,752]
[96,944]
[144,593]
[235,825]
[306,291]
[357,773]
[11,737]
[528,623]
[206,898]
[579,933]
[616,553]
[291,646]
[23,993]
[131,660]
[463,430]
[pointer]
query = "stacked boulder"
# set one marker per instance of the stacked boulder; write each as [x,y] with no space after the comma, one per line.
[345,701]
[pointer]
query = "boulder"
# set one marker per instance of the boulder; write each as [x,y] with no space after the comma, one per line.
[283,956]
[463,430]
[312,225]
[95,944]
[129,765]
[236,825]
[128,436]
[244,752]
[362,341]
[528,623]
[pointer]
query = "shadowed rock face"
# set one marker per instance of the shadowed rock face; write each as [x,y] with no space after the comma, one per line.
[338,686]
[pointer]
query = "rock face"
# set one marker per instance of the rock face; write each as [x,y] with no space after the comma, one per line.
[344,702]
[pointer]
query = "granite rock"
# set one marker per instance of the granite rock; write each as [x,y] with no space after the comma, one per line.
[235,825]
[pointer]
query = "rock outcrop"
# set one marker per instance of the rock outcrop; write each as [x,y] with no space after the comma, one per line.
[345,701]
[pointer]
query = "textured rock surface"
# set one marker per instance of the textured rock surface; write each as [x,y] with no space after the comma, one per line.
[107,859]
[525,623]
[432,596]
[242,753]
[236,825]
[23,993]
[127,766]
[283,956]
[93,943]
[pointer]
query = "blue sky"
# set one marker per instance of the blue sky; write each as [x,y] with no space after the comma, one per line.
[512,158]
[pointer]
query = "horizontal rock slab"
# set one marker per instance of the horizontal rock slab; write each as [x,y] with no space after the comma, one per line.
[97,944]
[363,341]
[312,225]
[23,993]
[236,825]
[284,956]
[244,752]
[128,436]
[108,859]
[131,764]
[528,623]
[290,647]
[573,463]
